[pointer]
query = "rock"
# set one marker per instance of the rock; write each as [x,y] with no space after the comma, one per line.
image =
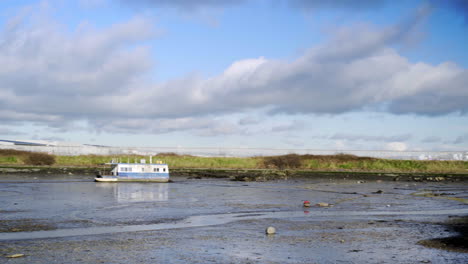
[270,230]
[323,204]
[379,191]
[16,256]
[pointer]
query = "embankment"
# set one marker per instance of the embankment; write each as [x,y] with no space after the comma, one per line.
[253,174]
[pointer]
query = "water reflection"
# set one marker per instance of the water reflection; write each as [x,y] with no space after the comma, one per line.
[138,192]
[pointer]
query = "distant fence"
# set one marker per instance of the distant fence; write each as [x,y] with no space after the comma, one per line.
[237,152]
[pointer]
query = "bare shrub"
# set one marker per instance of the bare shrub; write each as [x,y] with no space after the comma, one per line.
[289,161]
[13,152]
[37,158]
[341,157]
[173,154]
[168,154]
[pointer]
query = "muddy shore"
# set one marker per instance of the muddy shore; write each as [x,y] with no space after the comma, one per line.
[69,218]
[253,174]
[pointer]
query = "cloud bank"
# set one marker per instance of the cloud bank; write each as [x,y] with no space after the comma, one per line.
[54,77]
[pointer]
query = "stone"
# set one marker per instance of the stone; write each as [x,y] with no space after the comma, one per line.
[270,230]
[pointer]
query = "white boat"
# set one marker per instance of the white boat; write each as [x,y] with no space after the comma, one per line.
[151,172]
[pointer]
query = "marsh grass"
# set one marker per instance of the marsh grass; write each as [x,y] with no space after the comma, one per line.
[339,162]
[11,156]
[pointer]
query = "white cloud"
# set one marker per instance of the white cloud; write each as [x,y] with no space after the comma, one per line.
[396,146]
[54,77]
[357,137]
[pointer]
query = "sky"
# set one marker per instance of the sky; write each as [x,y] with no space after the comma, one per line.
[287,74]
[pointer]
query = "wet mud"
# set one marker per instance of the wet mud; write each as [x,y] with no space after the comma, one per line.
[74,220]
[457,242]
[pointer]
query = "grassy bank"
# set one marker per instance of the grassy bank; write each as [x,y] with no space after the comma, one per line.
[341,162]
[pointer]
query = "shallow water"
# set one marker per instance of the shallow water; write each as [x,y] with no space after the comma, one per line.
[219,219]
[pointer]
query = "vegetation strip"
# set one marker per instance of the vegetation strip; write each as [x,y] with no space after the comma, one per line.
[247,168]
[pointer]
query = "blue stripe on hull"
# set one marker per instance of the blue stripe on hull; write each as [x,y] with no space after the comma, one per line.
[145,175]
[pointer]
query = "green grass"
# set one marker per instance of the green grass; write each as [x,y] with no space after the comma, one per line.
[339,162]
[8,160]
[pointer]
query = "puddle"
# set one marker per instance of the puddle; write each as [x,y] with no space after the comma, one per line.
[217,219]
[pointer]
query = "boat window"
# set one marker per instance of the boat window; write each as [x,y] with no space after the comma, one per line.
[157,169]
[164,169]
[129,169]
[142,169]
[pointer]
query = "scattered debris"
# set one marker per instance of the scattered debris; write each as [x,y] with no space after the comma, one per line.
[16,256]
[270,230]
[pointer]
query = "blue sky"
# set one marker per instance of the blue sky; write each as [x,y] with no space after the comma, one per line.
[303,74]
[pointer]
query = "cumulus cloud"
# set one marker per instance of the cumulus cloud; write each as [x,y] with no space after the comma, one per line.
[51,76]
[396,146]
[355,70]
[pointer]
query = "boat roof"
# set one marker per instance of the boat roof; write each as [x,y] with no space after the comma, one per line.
[125,163]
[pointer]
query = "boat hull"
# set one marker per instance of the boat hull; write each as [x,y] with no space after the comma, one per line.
[119,179]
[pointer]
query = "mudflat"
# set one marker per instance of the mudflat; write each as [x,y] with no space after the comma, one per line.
[71,219]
